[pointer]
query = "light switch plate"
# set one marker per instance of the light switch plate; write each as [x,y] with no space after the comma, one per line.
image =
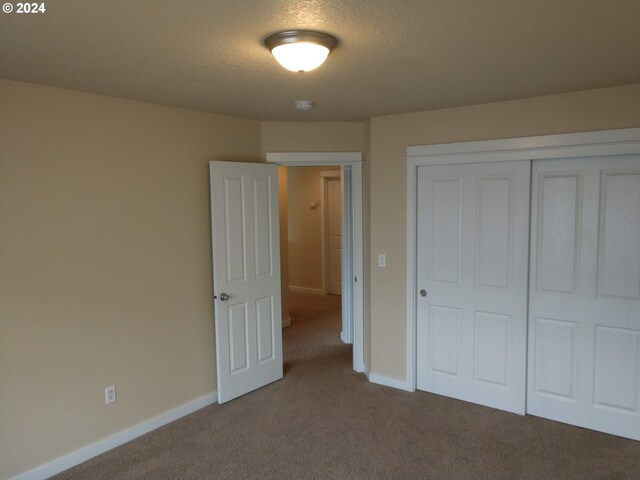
[109,394]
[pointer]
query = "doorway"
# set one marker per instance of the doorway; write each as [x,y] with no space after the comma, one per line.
[311,242]
[350,165]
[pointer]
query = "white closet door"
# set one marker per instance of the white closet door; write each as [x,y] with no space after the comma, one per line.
[584,317]
[472,253]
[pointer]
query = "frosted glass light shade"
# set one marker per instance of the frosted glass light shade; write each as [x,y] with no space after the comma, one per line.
[300,50]
[300,57]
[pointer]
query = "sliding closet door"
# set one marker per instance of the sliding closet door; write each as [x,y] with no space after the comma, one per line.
[584,317]
[472,254]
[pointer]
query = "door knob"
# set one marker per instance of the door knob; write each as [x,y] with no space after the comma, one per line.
[224,297]
[423,292]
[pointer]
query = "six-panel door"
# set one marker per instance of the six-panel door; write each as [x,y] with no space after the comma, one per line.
[246,268]
[472,252]
[584,315]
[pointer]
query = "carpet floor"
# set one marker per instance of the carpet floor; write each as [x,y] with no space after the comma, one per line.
[324,421]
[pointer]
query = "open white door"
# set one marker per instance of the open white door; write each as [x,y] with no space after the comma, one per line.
[246,276]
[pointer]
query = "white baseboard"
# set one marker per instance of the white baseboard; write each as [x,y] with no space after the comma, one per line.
[388,381]
[85,453]
[286,322]
[317,291]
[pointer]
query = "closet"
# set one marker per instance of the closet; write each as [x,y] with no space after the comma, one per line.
[524,261]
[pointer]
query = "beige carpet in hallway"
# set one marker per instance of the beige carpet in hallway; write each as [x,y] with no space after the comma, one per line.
[324,421]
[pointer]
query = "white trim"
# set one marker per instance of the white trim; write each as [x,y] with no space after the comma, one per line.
[357,259]
[314,158]
[545,146]
[571,145]
[323,232]
[347,255]
[388,381]
[353,160]
[286,322]
[85,453]
[296,289]
[412,196]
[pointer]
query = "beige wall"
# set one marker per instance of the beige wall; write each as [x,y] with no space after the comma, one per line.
[312,137]
[305,226]
[105,264]
[574,112]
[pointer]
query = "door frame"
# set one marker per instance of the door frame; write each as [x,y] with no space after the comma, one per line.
[571,145]
[325,177]
[352,291]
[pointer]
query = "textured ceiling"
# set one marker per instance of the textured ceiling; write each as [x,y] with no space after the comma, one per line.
[394,56]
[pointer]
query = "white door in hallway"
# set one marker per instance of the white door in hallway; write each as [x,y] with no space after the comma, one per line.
[246,276]
[472,254]
[334,236]
[584,314]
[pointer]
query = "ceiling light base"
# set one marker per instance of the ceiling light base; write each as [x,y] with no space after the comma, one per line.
[300,50]
[303,104]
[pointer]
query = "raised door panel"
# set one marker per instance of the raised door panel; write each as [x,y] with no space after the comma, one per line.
[619,255]
[492,340]
[238,341]
[235,220]
[266,329]
[494,231]
[558,242]
[617,369]
[554,370]
[262,209]
[444,339]
[446,228]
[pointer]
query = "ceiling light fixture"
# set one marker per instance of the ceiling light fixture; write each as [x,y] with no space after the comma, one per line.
[300,50]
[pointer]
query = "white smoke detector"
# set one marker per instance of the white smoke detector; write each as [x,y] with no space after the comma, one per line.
[303,104]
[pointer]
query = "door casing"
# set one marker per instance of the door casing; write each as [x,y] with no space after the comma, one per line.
[353,258]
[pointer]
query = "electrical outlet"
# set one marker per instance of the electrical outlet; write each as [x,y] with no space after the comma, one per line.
[109,394]
[382,260]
